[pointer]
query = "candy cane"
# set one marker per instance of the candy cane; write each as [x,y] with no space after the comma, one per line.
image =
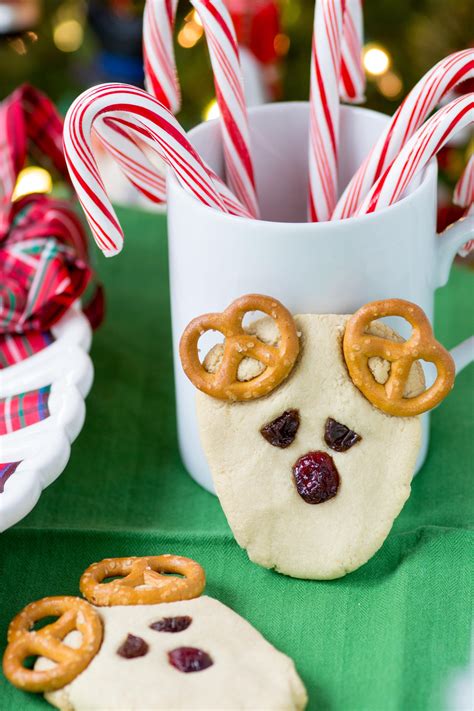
[352,78]
[464,190]
[161,78]
[130,149]
[145,146]
[153,121]
[418,151]
[464,196]
[228,81]
[324,108]
[129,154]
[469,245]
[419,103]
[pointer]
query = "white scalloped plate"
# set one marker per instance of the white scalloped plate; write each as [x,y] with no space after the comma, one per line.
[42,449]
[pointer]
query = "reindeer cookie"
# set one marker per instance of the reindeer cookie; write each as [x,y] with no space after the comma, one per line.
[300,423]
[148,642]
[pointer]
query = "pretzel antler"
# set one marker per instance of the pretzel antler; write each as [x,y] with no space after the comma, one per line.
[144,581]
[360,346]
[278,360]
[24,641]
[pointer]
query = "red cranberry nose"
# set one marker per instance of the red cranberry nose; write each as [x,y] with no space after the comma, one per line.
[316,477]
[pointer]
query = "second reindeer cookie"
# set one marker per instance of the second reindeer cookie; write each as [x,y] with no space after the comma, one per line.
[147,640]
[309,471]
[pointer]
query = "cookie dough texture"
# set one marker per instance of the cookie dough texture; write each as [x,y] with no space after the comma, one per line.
[254,480]
[248,673]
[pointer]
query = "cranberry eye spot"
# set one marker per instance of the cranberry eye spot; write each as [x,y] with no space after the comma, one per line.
[316,477]
[172,624]
[281,432]
[339,437]
[133,647]
[189,659]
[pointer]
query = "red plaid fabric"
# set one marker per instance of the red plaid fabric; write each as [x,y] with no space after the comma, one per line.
[95,308]
[16,347]
[19,411]
[40,216]
[43,247]
[6,470]
[41,275]
[29,125]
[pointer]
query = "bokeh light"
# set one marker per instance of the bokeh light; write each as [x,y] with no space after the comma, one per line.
[281,44]
[390,85]
[32,180]
[190,34]
[211,111]
[68,35]
[376,59]
[195,18]
[18,45]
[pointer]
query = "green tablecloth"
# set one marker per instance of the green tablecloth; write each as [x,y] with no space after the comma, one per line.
[388,637]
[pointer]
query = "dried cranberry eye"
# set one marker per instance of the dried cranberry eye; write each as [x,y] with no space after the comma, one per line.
[133,647]
[189,659]
[172,624]
[281,431]
[339,437]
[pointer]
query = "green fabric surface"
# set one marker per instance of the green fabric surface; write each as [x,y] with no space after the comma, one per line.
[388,637]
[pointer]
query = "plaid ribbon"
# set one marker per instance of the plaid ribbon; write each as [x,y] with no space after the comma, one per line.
[16,347]
[29,125]
[19,411]
[6,470]
[43,247]
[42,275]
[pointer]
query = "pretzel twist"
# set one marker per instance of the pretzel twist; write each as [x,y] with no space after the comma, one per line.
[142,581]
[23,641]
[278,360]
[359,346]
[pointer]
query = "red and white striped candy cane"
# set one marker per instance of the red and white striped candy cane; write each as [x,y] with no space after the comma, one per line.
[419,103]
[324,108]
[464,197]
[418,151]
[132,152]
[129,153]
[464,190]
[352,79]
[161,78]
[151,120]
[228,81]
[146,146]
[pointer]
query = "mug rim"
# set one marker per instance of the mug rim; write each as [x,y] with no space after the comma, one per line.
[429,173]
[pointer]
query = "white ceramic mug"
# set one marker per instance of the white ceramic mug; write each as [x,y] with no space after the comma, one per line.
[330,267]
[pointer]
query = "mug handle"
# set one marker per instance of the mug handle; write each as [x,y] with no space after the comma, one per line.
[448,244]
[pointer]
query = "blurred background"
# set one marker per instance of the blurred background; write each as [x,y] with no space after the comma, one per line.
[64,46]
